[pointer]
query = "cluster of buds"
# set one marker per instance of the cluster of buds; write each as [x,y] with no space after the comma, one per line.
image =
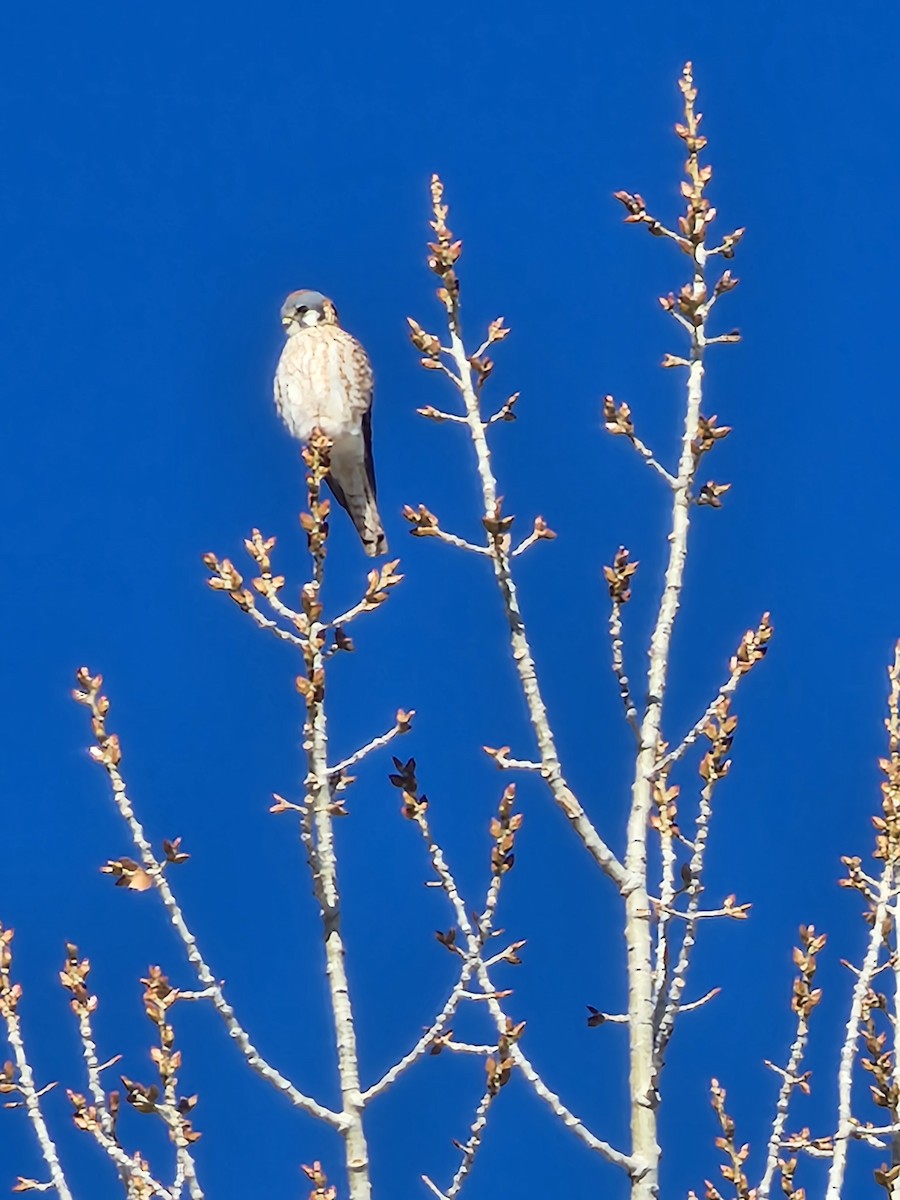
[753,647]
[708,433]
[731,908]
[73,977]
[445,251]
[142,1099]
[806,997]
[541,531]
[595,1017]
[693,225]
[227,578]
[132,875]
[414,806]
[619,575]
[497,332]
[85,1115]
[441,1042]
[504,828]
[483,368]
[10,993]
[378,584]
[886,1177]
[733,1170]
[8,1079]
[448,940]
[496,524]
[617,418]
[711,493]
[729,241]
[880,1063]
[311,686]
[316,455]
[728,282]
[887,827]
[499,1069]
[788,1167]
[128,874]
[699,215]
[719,730]
[107,750]
[505,411]
[147,1099]
[636,207]
[159,997]
[260,550]
[426,343]
[424,522]
[665,819]
[817,1147]
[321,1189]
[690,304]
[857,877]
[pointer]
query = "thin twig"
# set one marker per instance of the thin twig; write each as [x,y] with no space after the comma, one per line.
[271,626]
[100,1124]
[427,1039]
[498,547]
[10,996]
[433,1188]
[377,743]
[647,455]
[668,1001]
[845,1125]
[804,1001]
[437,414]
[488,992]
[618,666]
[451,539]
[888,850]
[108,753]
[673,756]
[666,893]
[98,1092]
[473,1142]
[602,1018]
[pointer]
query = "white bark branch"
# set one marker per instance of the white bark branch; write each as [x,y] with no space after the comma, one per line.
[474,940]
[845,1126]
[210,984]
[9,998]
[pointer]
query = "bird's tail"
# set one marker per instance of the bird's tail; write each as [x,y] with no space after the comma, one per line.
[356,493]
[365,516]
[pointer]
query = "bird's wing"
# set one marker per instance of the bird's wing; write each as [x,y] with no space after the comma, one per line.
[367,438]
[337,491]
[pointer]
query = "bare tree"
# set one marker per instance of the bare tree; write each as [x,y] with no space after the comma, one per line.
[658,873]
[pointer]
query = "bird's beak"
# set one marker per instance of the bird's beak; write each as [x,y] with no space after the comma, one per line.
[285,321]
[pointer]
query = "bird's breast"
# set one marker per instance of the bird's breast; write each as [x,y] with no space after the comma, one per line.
[323,380]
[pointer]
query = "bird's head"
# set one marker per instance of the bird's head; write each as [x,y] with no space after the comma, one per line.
[304,309]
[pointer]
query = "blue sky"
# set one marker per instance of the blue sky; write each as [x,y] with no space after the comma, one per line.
[169,174]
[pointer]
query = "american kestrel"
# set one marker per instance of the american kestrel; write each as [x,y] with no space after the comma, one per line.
[324,380]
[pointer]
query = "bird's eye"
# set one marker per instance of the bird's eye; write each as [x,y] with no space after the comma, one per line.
[302,309]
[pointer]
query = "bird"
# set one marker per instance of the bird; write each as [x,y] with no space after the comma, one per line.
[324,381]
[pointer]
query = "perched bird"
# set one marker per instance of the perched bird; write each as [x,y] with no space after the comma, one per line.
[324,380]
